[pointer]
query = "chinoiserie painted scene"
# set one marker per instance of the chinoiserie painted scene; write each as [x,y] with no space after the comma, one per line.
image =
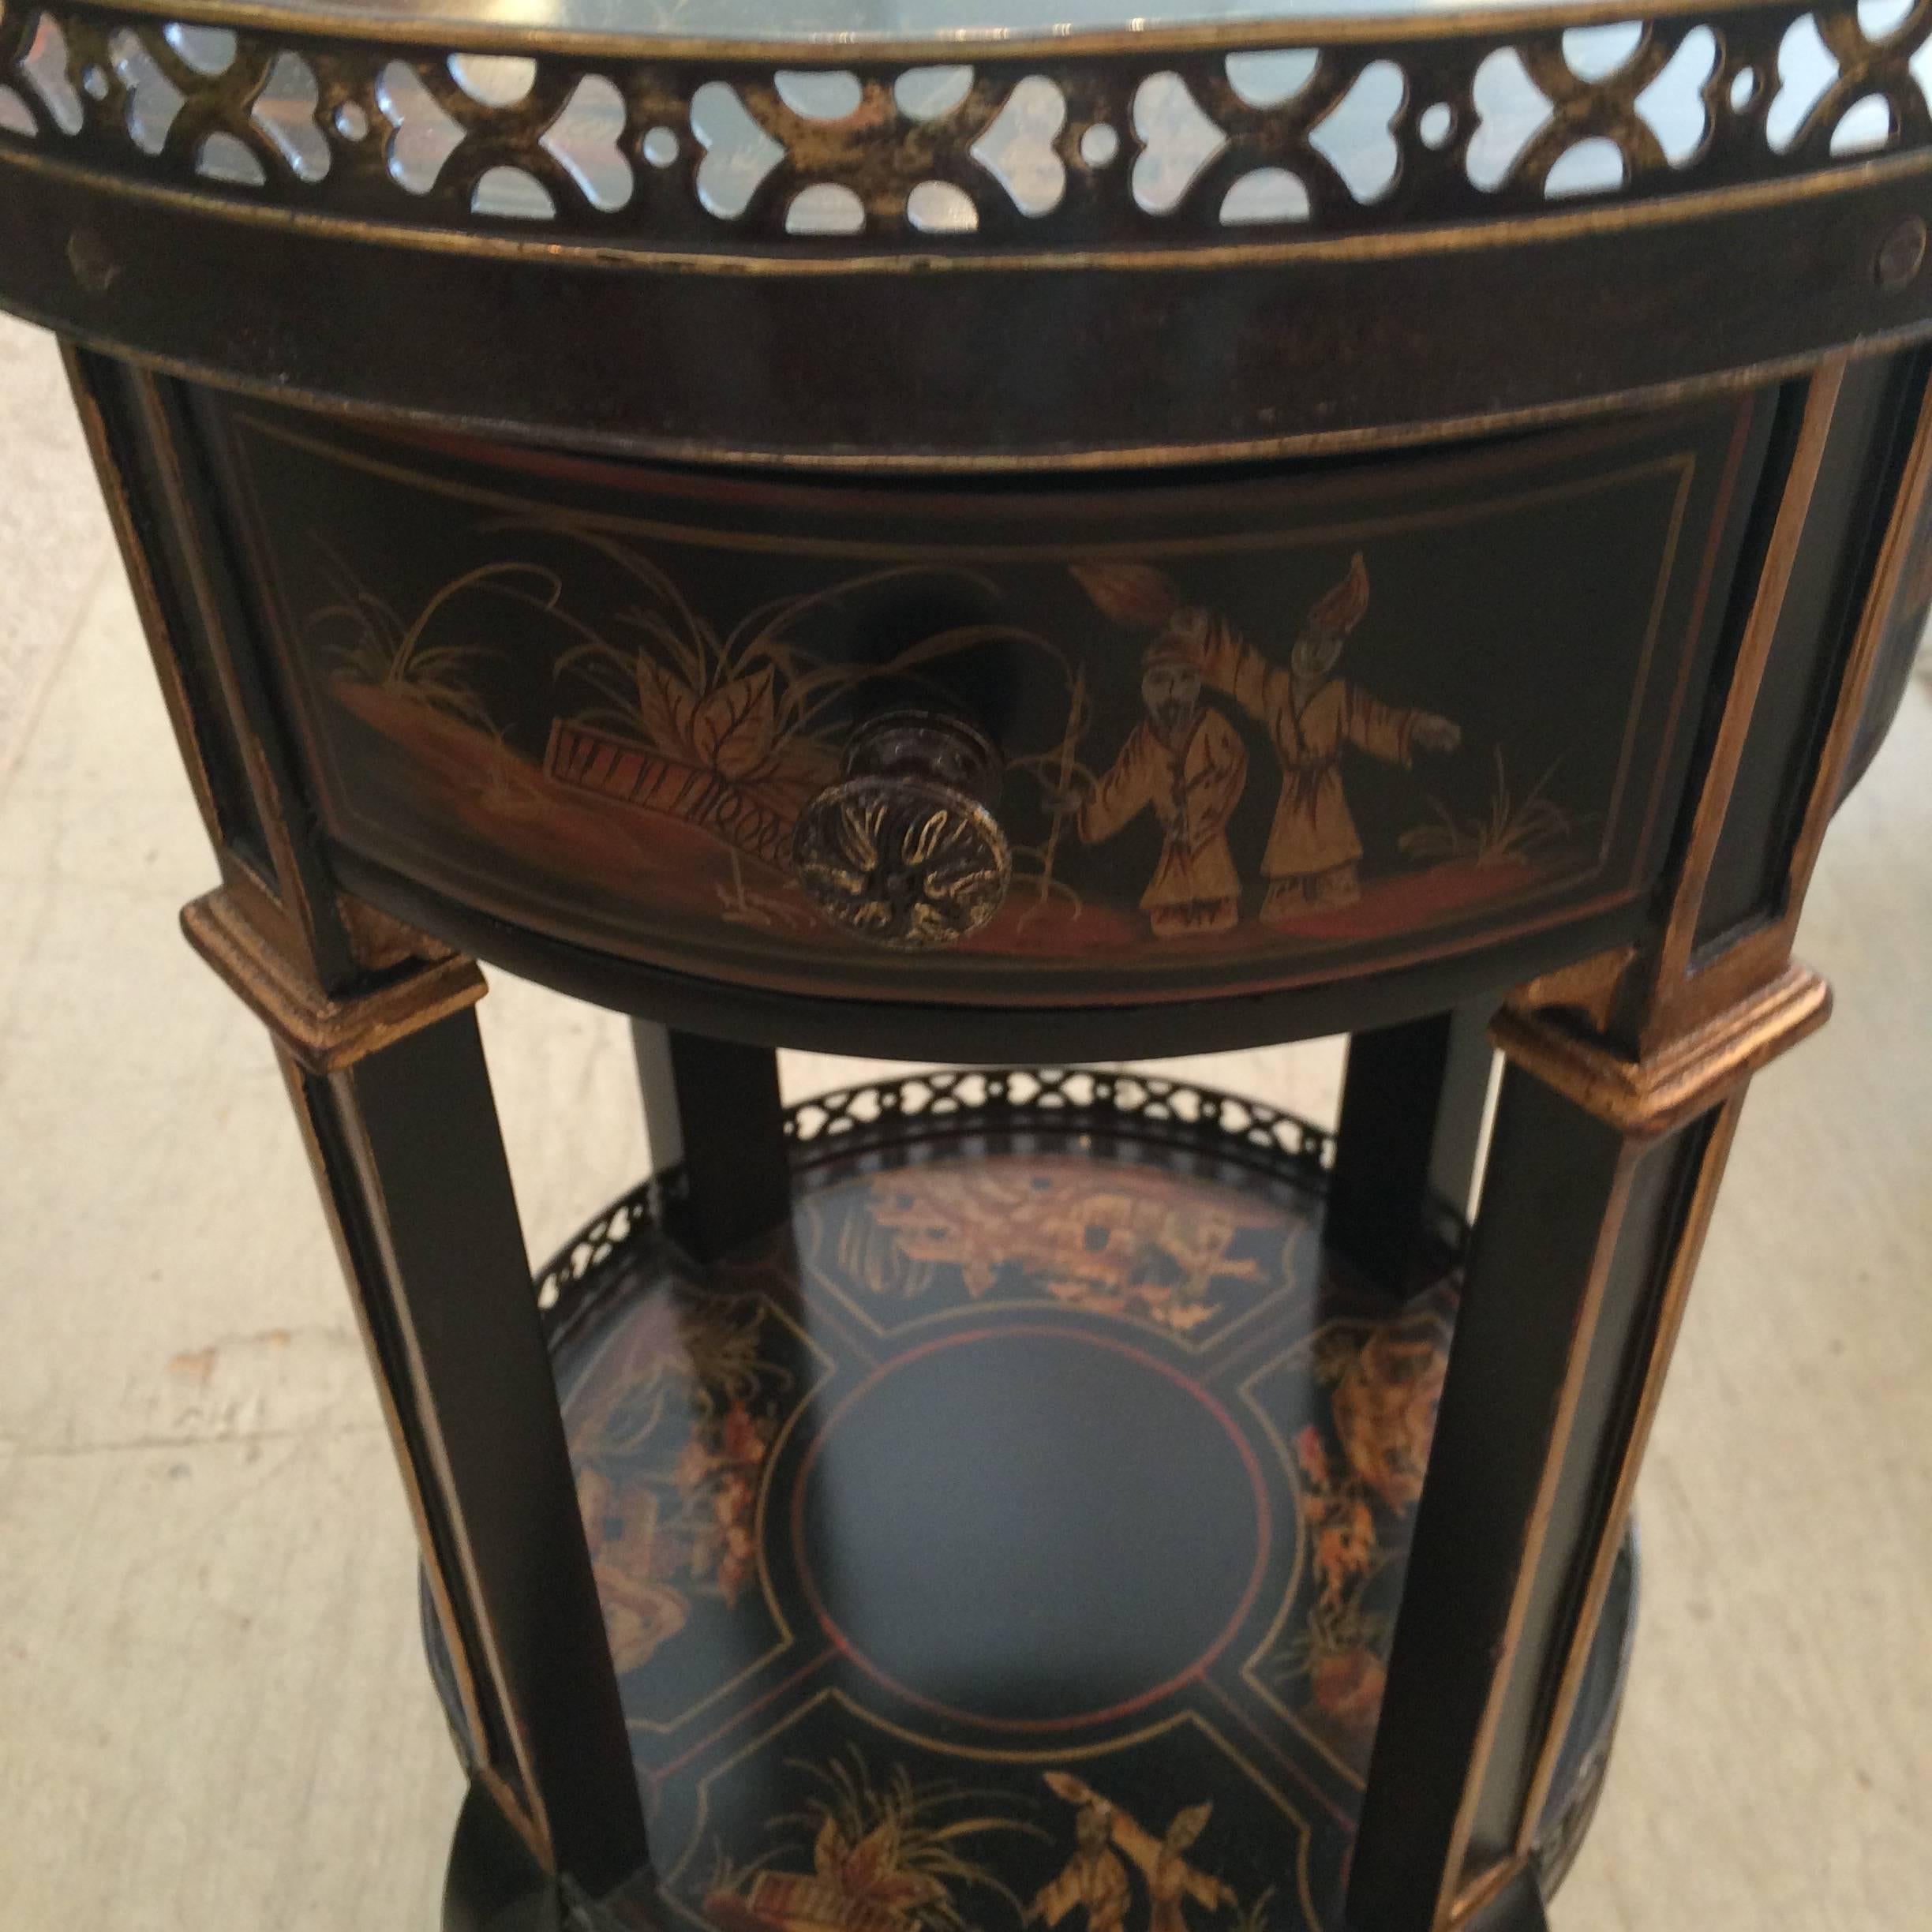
[1139,1382]
[1262,745]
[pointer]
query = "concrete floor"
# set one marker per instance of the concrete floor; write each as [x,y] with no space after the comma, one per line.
[213,1711]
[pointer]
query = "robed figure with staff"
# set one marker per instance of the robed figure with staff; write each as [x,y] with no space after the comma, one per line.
[1172,1882]
[1188,764]
[1311,716]
[1093,1882]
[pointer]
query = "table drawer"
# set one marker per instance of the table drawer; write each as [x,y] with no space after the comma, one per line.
[1249,731]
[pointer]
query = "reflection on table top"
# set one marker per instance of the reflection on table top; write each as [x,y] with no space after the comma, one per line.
[910,21]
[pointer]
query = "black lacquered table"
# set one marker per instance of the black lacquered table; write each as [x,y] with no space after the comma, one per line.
[1021,538]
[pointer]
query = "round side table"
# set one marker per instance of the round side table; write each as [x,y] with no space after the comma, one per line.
[1015,534]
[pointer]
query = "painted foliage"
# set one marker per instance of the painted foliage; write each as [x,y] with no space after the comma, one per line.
[1013,1541]
[1262,731]
[1361,1458]
[671,1426]
[1138,1244]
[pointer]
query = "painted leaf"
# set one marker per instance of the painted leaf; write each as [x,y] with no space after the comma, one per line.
[871,1861]
[828,1852]
[1336,612]
[665,706]
[800,765]
[732,730]
[1135,593]
[902,1891]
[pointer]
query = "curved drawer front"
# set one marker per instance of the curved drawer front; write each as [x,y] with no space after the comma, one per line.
[1252,732]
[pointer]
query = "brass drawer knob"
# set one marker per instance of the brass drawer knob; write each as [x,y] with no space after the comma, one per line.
[903,849]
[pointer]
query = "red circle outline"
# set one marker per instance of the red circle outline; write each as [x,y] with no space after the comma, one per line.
[1263,1532]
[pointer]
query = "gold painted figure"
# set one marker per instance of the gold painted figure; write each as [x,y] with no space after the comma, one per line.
[1314,851]
[1190,765]
[1093,1877]
[1171,1881]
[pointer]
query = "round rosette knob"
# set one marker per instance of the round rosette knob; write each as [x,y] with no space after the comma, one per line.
[903,849]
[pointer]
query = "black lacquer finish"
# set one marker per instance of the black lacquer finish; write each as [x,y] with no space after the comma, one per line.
[1411,1118]
[545,450]
[429,1228]
[1097,1315]
[1240,741]
[1140,250]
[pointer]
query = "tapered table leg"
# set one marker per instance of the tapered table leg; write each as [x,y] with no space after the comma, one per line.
[1413,1098]
[1517,1907]
[1600,1179]
[1602,1171]
[714,1106]
[394,1102]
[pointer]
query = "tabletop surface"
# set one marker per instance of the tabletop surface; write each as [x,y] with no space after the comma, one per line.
[835,21]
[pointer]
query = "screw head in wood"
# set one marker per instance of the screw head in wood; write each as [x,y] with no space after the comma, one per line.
[1901,254]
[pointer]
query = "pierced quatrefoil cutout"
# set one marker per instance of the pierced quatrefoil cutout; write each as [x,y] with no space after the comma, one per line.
[1596,53]
[1265,195]
[1357,138]
[941,207]
[1673,105]
[738,154]
[1017,150]
[929,93]
[815,96]
[43,67]
[1864,127]
[1272,76]
[1879,19]
[585,140]
[493,80]
[1592,166]
[825,208]
[15,116]
[1511,111]
[510,194]
[153,100]
[285,110]
[1806,68]
[224,158]
[1176,139]
[209,51]
[424,136]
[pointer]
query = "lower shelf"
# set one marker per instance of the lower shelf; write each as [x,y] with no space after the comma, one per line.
[1018,1535]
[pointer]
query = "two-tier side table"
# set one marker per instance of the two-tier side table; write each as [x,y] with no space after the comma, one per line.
[1012,533]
